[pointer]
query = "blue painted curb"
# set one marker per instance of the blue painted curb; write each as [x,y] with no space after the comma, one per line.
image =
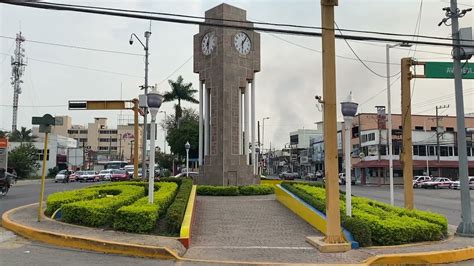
[347,234]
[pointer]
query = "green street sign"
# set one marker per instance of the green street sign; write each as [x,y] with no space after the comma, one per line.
[444,70]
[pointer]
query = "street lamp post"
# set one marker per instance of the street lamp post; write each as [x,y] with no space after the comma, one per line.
[187,146]
[349,110]
[154,101]
[145,87]
[389,107]
[166,134]
[263,141]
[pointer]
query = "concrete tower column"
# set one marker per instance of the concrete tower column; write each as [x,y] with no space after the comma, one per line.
[201,136]
[253,128]
[246,123]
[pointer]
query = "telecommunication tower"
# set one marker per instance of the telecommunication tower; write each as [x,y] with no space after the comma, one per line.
[18,63]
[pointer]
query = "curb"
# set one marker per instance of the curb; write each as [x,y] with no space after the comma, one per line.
[431,257]
[84,243]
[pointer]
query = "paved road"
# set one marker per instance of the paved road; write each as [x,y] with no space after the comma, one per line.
[444,201]
[27,192]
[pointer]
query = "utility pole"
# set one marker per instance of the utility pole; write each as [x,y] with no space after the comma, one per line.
[407,150]
[438,133]
[18,64]
[466,227]
[333,231]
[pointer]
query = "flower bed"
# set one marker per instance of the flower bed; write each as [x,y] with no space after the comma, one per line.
[235,190]
[377,223]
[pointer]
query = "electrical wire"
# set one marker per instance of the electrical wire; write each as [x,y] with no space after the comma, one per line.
[380,92]
[89,10]
[59,5]
[74,46]
[176,70]
[360,60]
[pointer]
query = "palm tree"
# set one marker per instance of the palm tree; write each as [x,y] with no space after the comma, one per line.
[24,135]
[179,91]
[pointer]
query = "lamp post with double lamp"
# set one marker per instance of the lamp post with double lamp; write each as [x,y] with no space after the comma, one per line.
[187,146]
[166,133]
[145,87]
[154,101]
[349,110]
[389,107]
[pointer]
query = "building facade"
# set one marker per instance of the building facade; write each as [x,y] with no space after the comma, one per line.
[99,142]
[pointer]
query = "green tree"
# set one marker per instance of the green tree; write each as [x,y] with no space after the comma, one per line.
[3,134]
[188,131]
[182,92]
[164,160]
[24,160]
[24,135]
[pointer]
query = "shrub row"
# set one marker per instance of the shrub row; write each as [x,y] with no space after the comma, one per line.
[377,223]
[56,200]
[101,211]
[141,216]
[235,190]
[175,213]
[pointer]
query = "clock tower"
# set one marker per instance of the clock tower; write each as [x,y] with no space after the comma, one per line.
[226,59]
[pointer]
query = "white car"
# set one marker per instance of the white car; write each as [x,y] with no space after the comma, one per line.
[418,179]
[457,184]
[62,176]
[191,174]
[437,182]
[105,174]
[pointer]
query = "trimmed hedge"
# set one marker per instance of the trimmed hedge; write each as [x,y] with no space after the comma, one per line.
[235,190]
[256,190]
[56,200]
[101,211]
[175,214]
[218,191]
[141,217]
[377,223]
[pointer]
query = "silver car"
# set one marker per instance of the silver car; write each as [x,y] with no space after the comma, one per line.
[62,176]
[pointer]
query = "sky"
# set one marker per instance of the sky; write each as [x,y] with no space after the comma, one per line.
[291,66]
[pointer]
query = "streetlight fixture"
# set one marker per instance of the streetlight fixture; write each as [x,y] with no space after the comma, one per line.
[154,101]
[389,109]
[349,110]
[145,87]
[187,146]
[166,133]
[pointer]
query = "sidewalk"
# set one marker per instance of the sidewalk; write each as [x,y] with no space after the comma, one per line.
[253,229]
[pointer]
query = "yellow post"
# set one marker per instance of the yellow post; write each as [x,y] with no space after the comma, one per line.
[333,232]
[135,143]
[43,174]
[407,150]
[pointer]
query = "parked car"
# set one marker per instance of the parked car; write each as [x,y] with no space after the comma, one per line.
[457,184]
[289,176]
[310,177]
[63,176]
[191,174]
[438,182]
[105,175]
[418,179]
[85,176]
[120,175]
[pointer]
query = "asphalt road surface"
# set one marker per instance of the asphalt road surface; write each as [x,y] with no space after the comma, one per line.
[443,201]
[27,192]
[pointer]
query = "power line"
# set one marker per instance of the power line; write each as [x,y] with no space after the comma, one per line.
[183,21]
[360,60]
[75,47]
[63,6]
[176,70]
[34,106]
[381,91]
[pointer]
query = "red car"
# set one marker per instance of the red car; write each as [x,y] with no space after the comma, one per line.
[119,175]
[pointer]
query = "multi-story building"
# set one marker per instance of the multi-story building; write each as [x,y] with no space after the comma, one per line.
[100,142]
[298,149]
[370,159]
[434,149]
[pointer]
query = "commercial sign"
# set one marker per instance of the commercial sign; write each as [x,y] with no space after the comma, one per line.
[444,70]
[3,153]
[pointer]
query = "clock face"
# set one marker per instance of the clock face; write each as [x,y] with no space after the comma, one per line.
[242,43]
[208,43]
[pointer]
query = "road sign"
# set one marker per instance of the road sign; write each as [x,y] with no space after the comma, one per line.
[444,70]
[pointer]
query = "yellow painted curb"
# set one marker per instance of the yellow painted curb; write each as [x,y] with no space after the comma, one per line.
[85,243]
[185,232]
[270,182]
[431,257]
